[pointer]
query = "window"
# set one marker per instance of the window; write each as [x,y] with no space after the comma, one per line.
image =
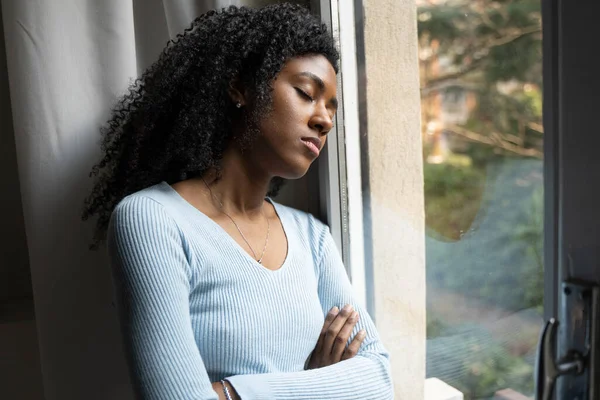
[481,97]
[480,86]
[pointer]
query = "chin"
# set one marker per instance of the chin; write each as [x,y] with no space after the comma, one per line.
[291,175]
[295,170]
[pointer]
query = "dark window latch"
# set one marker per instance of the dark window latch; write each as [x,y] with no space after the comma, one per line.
[575,341]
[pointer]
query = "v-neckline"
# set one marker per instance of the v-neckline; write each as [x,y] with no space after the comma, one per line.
[218,229]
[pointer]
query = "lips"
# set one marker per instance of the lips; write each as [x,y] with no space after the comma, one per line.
[313,143]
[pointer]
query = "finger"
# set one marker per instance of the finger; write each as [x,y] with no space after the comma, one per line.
[334,329]
[316,357]
[328,320]
[353,348]
[313,362]
[330,317]
[342,338]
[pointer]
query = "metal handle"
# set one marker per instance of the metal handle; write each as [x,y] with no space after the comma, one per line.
[547,370]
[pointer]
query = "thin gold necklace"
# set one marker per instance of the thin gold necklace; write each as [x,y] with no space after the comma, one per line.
[259,260]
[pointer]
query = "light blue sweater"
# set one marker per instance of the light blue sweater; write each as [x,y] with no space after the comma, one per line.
[195,308]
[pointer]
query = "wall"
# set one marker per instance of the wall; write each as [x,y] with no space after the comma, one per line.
[396,187]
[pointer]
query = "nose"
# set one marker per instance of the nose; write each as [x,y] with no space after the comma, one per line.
[321,121]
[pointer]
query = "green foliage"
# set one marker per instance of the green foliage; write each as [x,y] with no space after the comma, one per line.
[514,61]
[472,361]
[485,231]
[435,326]
[452,199]
[531,233]
[490,44]
[485,242]
[494,370]
[504,37]
[484,218]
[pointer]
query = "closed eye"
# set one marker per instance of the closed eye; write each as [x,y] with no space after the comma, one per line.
[305,95]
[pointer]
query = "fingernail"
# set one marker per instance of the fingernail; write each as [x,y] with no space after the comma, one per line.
[362,333]
[354,315]
[347,308]
[335,310]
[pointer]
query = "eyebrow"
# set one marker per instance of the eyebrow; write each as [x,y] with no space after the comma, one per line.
[321,84]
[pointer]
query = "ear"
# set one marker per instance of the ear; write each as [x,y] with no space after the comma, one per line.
[236,91]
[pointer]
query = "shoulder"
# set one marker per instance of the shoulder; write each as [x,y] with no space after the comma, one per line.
[142,227]
[142,214]
[148,203]
[138,207]
[158,196]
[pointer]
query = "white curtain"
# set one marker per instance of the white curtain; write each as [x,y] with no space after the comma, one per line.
[68,60]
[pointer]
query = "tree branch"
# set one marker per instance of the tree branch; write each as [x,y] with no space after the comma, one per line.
[516,34]
[505,39]
[536,127]
[496,141]
[434,83]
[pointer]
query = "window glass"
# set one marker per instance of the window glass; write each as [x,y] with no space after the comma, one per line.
[481,97]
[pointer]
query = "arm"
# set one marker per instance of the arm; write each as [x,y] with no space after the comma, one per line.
[150,271]
[366,376]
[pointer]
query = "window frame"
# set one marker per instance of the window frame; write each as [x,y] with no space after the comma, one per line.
[340,175]
[550,65]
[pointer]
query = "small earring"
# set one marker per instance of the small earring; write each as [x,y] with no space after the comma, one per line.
[238,105]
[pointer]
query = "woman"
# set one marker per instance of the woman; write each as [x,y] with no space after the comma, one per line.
[223,292]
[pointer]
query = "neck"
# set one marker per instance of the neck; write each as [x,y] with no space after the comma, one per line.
[241,187]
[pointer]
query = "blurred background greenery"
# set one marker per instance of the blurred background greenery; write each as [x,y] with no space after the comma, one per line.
[481,96]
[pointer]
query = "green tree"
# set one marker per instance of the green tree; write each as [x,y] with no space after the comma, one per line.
[491,48]
[483,213]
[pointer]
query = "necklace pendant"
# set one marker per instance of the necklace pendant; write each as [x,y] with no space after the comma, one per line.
[238,228]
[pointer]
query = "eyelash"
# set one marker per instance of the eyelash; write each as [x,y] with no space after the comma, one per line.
[304,94]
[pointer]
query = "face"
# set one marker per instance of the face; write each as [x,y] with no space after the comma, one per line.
[294,131]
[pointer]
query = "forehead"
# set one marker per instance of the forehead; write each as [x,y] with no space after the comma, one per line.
[314,64]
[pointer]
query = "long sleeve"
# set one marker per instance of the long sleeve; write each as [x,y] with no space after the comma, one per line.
[151,276]
[366,376]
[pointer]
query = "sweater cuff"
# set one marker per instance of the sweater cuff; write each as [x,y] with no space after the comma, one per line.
[251,387]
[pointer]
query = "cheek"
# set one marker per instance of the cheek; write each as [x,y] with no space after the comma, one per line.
[288,108]
[283,124]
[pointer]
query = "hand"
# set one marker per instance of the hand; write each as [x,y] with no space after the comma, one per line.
[218,387]
[331,346]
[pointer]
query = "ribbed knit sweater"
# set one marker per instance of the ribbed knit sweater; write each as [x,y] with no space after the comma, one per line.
[195,308]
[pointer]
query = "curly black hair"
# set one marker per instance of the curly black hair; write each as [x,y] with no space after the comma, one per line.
[176,120]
